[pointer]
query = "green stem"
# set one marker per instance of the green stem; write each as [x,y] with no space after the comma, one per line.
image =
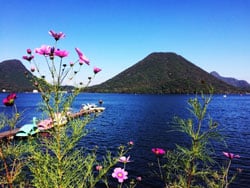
[190,176]
[199,128]
[8,176]
[159,165]
[59,73]
[226,174]
[50,68]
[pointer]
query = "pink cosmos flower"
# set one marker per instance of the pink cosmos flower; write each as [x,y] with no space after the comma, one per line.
[44,50]
[57,36]
[9,100]
[82,57]
[158,151]
[231,155]
[61,53]
[96,70]
[123,159]
[28,58]
[120,174]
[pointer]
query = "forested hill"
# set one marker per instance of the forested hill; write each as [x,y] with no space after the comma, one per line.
[12,76]
[163,73]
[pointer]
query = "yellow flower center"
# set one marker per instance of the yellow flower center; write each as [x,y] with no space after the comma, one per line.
[120,175]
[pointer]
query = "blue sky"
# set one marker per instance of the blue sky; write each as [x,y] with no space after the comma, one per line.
[116,34]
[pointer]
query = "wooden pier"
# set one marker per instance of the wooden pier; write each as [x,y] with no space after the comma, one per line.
[11,133]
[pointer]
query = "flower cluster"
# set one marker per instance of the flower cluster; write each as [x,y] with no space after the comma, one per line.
[120,173]
[63,139]
[50,52]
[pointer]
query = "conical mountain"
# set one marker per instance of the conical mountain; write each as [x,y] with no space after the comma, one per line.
[163,73]
[12,76]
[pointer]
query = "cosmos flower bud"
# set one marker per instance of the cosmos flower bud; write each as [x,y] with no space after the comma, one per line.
[29,51]
[131,143]
[32,69]
[71,64]
[96,70]
[98,167]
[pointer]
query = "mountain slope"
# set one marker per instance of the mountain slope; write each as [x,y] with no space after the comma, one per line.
[12,76]
[163,73]
[232,81]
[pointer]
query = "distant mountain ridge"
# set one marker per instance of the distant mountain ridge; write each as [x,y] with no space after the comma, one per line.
[157,73]
[12,77]
[232,81]
[163,73]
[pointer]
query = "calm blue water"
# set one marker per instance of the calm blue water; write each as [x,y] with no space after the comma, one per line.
[147,120]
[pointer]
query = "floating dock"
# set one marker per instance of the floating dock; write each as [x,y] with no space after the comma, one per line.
[11,133]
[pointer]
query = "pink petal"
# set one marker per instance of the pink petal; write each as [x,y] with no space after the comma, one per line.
[96,70]
[82,57]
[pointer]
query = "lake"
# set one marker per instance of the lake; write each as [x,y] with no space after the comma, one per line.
[147,120]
